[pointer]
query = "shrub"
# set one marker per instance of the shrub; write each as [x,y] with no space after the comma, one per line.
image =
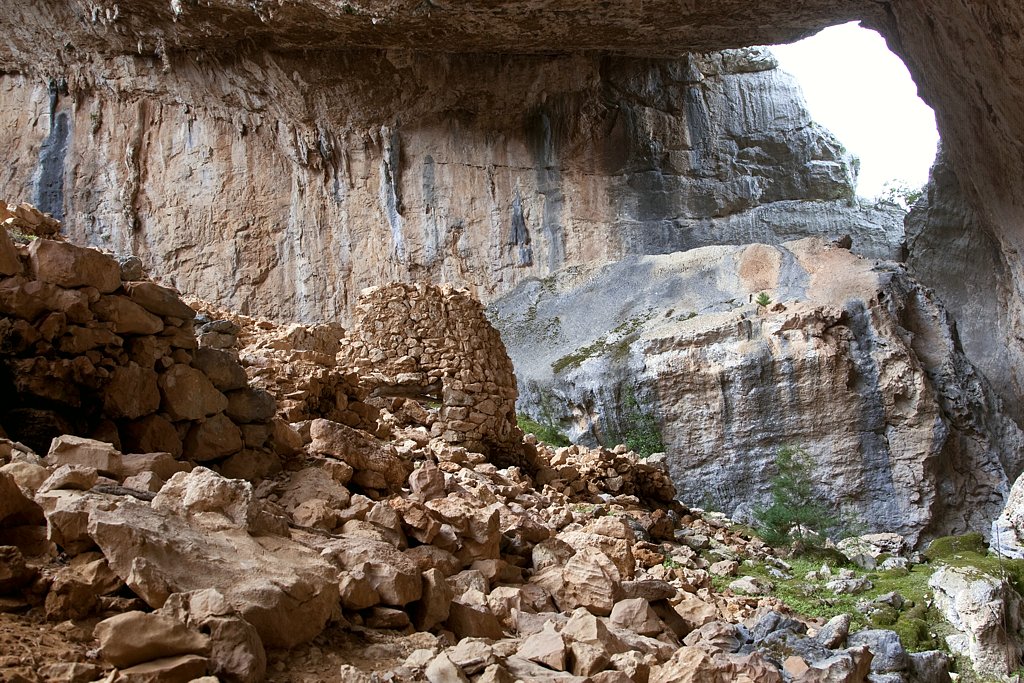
[763,299]
[794,514]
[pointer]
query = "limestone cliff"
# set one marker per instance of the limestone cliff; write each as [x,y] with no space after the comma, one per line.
[276,186]
[976,285]
[852,360]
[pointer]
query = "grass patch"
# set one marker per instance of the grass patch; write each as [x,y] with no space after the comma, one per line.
[623,336]
[549,434]
[919,627]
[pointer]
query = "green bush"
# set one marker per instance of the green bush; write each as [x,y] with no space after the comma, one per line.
[763,299]
[794,507]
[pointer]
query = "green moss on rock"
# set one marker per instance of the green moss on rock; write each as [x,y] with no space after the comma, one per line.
[946,547]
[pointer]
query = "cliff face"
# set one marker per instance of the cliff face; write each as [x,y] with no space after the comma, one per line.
[277,187]
[853,361]
[976,286]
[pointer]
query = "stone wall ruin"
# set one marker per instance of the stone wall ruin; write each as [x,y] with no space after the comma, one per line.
[88,348]
[435,346]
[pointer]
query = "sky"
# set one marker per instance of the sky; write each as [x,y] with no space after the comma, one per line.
[864,94]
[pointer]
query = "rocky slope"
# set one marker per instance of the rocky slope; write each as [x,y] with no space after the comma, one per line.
[576,565]
[852,360]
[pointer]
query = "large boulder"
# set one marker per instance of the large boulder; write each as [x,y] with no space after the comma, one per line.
[985,611]
[376,464]
[67,265]
[199,533]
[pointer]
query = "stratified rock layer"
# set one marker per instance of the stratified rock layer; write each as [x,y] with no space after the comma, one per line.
[854,361]
[479,171]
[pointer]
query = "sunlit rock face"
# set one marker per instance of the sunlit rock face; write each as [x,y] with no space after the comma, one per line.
[481,171]
[850,359]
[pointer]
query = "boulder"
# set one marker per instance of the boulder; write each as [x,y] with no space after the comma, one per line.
[213,438]
[376,464]
[395,577]
[435,605]
[28,476]
[15,508]
[151,434]
[694,665]
[67,518]
[589,579]
[635,614]
[221,367]
[426,482]
[470,617]
[75,450]
[14,573]
[250,405]
[180,669]
[157,463]
[196,535]
[126,316]
[134,637]
[189,395]
[983,610]
[67,265]
[547,648]
[76,589]
[610,535]
[477,527]
[584,627]
[833,634]
[851,665]
[356,591]
[159,300]
[236,651]
[131,393]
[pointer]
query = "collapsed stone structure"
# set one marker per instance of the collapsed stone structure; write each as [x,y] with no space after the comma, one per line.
[434,344]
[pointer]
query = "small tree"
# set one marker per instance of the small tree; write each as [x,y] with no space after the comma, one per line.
[763,300]
[900,193]
[794,509]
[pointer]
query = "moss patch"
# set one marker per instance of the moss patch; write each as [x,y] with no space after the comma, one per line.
[949,546]
[549,434]
[919,627]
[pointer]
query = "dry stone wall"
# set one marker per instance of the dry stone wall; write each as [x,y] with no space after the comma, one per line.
[435,344]
[85,348]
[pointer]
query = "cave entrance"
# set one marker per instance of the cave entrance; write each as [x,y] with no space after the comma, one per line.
[865,96]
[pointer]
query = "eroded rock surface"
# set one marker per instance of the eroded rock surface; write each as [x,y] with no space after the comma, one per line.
[457,174]
[850,359]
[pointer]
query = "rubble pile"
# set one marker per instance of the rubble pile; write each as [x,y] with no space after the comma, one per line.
[499,578]
[88,348]
[576,470]
[299,365]
[168,563]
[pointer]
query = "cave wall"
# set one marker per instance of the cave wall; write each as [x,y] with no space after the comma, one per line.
[272,185]
[275,66]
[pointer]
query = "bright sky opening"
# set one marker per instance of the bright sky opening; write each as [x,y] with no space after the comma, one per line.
[864,94]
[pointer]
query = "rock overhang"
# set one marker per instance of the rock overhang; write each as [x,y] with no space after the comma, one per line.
[662,28]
